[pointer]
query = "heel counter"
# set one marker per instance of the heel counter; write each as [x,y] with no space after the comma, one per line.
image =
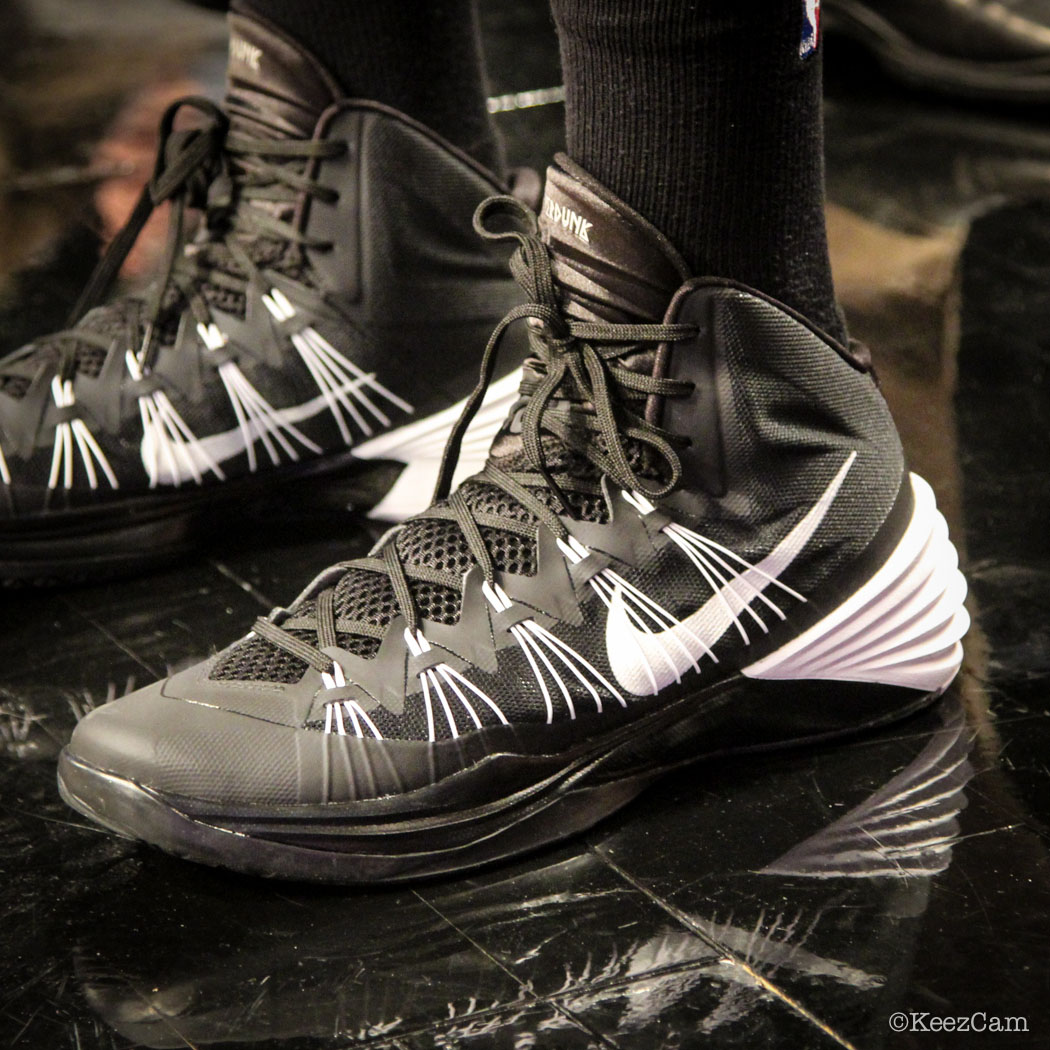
[903,627]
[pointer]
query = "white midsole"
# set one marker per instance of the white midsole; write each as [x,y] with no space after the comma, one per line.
[903,627]
[421,443]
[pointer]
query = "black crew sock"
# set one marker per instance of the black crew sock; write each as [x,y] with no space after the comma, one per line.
[705,117]
[423,57]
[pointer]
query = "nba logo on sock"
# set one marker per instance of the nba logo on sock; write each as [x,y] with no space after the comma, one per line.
[810,28]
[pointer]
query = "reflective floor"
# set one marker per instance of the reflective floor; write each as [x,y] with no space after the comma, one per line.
[794,900]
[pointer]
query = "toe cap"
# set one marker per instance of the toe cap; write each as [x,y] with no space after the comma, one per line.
[192,750]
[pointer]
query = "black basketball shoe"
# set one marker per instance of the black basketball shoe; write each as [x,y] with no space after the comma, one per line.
[695,533]
[992,49]
[325,318]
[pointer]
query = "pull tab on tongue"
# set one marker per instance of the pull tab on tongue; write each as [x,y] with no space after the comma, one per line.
[610,262]
[273,86]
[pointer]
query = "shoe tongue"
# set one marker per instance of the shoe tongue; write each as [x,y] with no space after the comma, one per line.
[273,86]
[609,262]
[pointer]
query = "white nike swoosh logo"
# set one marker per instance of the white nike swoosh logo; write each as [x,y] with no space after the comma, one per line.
[221,447]
[644,662]
[422,439]
[224,446]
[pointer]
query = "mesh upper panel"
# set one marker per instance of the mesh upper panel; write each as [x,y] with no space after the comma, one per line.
[487,499]
[589,507]
[359,644]
[362,595]
[225,299]
[437,603]
[90,360]
[14,386]
[436,544]
[511,552]
[256,660]
[109,322]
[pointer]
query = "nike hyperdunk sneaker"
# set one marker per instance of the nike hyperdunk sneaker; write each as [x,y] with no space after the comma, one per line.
[695,533]
[326,314]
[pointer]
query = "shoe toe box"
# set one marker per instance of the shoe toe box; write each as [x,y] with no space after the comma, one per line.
[190,750]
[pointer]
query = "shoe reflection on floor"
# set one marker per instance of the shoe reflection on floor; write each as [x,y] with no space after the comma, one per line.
[834,906]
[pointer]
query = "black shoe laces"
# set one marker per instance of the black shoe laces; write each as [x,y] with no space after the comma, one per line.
[577,391]
[216,171]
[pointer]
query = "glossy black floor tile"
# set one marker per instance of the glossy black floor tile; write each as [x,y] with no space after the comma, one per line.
[712,1005]
[171,618]
[55,665]
[275,567]
[573,930]
[275,964]
[839,900]
[795,900]
[529,1026]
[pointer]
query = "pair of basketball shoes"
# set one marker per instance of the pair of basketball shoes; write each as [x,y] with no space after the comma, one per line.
[694,532]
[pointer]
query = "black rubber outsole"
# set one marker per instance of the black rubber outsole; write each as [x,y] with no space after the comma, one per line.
[576,792]
[1016,82]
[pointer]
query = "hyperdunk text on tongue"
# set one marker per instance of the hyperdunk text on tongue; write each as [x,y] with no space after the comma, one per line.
[611,263]
[273,86]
